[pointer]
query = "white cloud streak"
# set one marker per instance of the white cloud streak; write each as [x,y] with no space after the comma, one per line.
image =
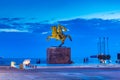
[12,30]
[104,15]
[44,32]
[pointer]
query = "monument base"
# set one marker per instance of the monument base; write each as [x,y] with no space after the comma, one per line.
[58,55]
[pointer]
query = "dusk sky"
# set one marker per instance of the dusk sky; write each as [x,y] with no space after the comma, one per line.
[59,9]
[25,24]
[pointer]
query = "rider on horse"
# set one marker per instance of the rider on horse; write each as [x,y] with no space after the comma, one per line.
[57,33]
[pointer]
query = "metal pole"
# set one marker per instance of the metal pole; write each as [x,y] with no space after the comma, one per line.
[107,46]
[100,44]
[104,44]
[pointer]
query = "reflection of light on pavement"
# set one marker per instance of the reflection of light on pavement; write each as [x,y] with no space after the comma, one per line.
[93,78]
[71,74]
[30,76]
[82,76]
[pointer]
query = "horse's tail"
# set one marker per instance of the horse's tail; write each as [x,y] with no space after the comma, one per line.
[48,38]
[69,37]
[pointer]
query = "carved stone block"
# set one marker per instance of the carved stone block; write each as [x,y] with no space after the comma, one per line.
[58,55]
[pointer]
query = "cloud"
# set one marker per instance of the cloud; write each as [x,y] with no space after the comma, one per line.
[104,15]
[74,25]
[10,19]
[68,30]
[91,26]
[44,33]
[2,25]
[20,25]
[12,30]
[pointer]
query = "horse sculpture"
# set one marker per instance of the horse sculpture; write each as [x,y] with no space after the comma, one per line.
[57,33]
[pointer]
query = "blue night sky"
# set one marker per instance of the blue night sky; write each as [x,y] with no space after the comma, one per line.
[25,24]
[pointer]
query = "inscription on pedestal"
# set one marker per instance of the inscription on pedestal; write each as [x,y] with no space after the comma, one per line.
[58,55]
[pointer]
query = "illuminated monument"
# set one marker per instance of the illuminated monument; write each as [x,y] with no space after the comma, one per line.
[59,54]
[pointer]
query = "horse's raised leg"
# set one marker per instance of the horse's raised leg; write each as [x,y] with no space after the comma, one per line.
[61,44]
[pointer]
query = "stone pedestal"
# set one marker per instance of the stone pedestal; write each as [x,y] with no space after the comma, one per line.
[58,55]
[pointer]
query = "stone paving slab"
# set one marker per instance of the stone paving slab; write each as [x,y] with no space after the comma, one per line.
[59,74]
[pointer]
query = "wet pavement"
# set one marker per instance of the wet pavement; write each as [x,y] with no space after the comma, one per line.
[7,73]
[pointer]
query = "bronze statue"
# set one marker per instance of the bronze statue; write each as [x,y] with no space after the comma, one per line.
[57,33]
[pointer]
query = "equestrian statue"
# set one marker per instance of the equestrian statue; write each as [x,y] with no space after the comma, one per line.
[58,34]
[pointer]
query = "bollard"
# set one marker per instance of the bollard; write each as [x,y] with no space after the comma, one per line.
[21,66]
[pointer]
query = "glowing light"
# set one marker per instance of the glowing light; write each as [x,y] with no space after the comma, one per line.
[26,62]
[13,64]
